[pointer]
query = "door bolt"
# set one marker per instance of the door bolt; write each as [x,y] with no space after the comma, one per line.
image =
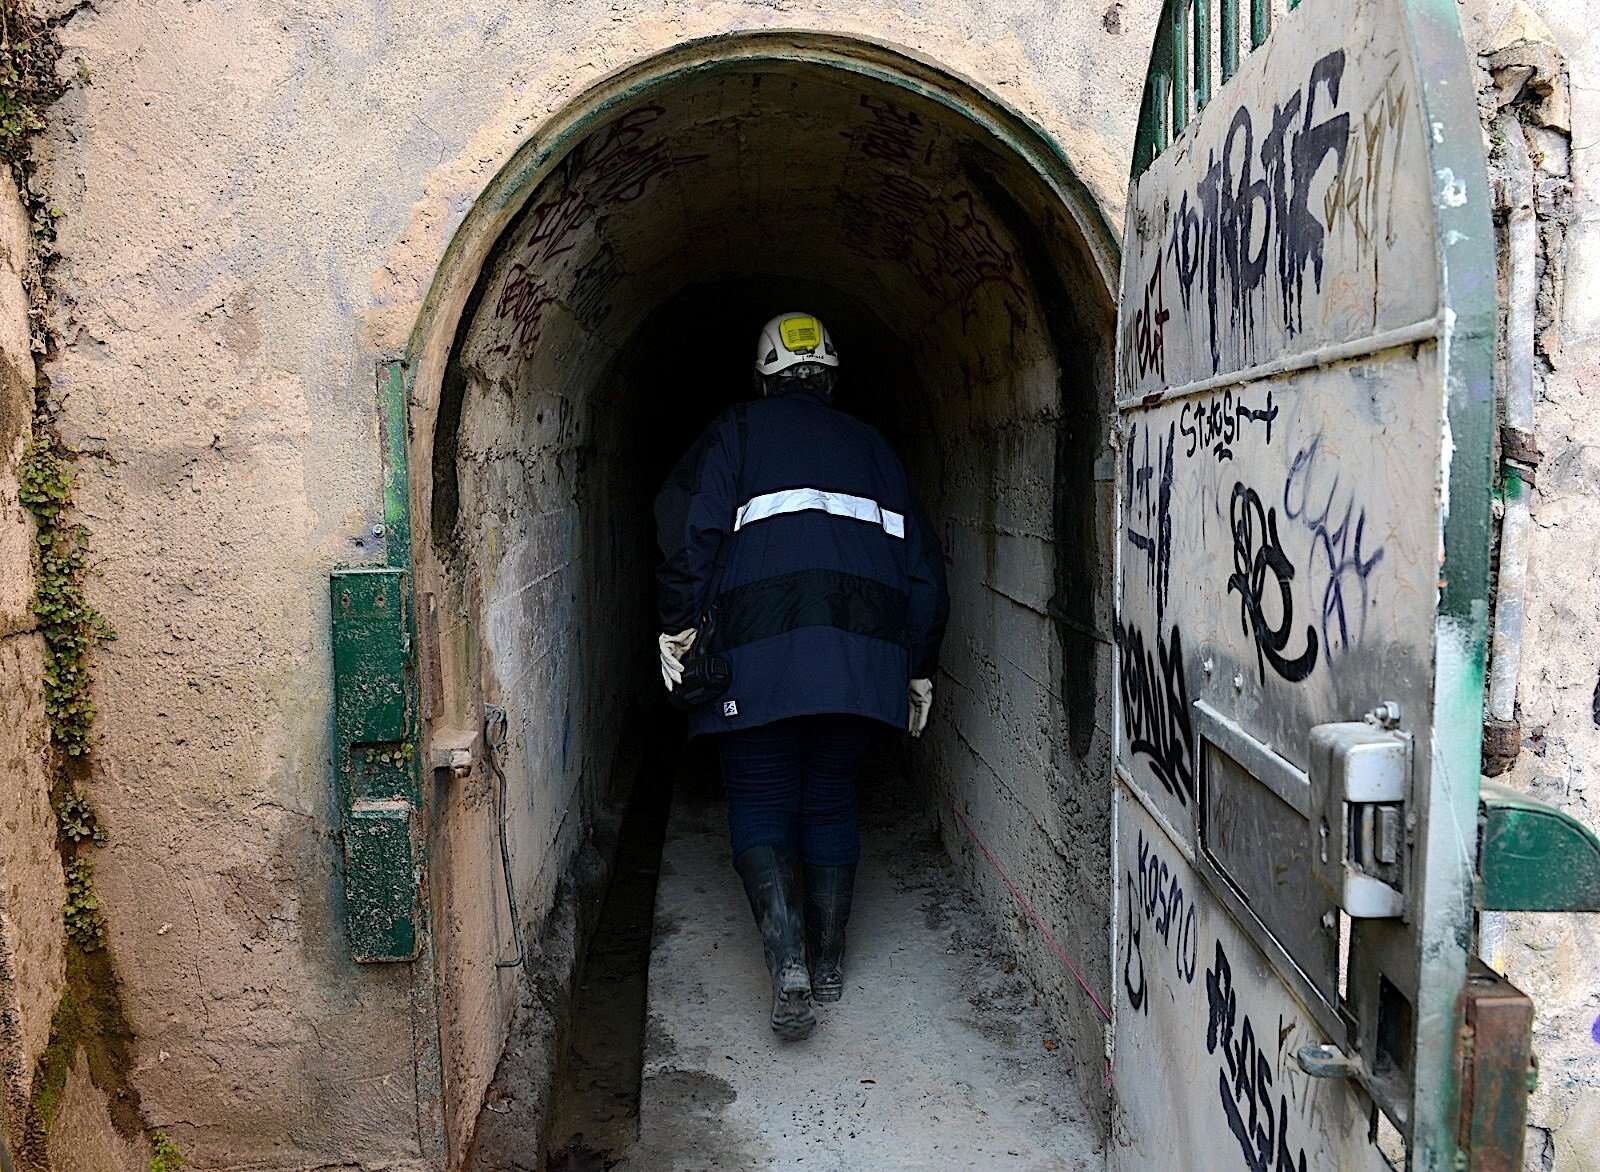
[1325,1061]
[1385,715]
[1386,848]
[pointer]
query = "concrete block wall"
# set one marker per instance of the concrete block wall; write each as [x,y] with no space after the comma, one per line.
[1016,805]
[550,574]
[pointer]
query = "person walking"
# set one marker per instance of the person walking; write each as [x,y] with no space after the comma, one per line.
[802,603]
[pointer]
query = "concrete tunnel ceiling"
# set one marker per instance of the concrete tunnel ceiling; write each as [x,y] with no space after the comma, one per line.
[765,176]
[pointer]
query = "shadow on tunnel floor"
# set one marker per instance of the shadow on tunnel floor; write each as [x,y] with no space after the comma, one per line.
[575,1110]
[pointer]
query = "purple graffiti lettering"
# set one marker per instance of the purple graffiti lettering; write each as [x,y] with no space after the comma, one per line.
[1338,526]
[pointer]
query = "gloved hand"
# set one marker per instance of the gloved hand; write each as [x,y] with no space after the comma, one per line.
[673,650]
[921,696]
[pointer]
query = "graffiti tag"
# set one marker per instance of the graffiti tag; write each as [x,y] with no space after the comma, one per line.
[1258,552]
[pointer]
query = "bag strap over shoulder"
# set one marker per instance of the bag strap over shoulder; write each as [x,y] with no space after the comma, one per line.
[741,419]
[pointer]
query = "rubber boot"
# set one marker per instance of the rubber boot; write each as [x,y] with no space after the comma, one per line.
[772,881]
[827,910]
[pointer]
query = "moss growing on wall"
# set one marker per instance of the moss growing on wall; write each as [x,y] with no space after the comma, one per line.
[76,820]
[86,927]
[70,625]
[164,1154]
[28,55]
[89,1025]
[89,1020]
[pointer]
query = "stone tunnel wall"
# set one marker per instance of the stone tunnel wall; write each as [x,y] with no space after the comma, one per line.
[986,342]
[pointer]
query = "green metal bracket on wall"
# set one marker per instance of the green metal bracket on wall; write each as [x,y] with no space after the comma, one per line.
[1534,857]
[377,774]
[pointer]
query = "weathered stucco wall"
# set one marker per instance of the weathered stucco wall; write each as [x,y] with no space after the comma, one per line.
[255,198]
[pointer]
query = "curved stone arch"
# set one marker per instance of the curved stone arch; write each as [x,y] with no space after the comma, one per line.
[474,242]
[1040,392]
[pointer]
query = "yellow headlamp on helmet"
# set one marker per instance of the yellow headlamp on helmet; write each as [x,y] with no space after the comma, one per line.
[791,339]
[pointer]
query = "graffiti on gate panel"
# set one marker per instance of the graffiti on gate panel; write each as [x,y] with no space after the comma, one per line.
[1281,222]
[1280,582]
[1206,1035]
[1281,501]
[1274,563]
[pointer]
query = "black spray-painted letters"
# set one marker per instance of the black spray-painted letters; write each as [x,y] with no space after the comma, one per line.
[1148,507]
[1257,552]
[1216,425]
[1158,901]
[1249,213]
[1244,1081]
[1155,707]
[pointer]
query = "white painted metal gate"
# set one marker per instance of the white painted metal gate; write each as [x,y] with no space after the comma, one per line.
[1303,384]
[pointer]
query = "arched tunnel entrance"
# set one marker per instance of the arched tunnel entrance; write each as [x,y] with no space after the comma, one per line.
[600,306]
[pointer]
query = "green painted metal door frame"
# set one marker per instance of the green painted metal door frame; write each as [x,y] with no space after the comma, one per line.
[377,730]
[378,773]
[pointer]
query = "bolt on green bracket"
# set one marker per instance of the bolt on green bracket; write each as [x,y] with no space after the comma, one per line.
[1534,857]
[375,728]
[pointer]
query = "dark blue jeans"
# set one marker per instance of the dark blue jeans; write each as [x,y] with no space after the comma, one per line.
[793,783]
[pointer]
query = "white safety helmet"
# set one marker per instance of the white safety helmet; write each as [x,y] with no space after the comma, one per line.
[791,339]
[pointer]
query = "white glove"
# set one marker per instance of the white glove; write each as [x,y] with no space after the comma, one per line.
[921,695]
[673,650]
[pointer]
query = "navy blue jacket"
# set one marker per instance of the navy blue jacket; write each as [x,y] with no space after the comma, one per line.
[830,595]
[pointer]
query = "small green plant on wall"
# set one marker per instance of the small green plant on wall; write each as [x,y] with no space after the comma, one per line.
[164,1154]
[70,625]
[76,819]
[28,81]
[85,925]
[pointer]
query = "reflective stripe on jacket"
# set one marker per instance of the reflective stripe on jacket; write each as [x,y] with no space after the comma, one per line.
[831,593]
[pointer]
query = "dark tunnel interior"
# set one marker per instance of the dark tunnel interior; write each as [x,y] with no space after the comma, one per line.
[618,314]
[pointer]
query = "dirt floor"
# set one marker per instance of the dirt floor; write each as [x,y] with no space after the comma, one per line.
[938,1057]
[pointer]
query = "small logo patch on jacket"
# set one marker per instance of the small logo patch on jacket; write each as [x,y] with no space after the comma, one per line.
[730,708]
